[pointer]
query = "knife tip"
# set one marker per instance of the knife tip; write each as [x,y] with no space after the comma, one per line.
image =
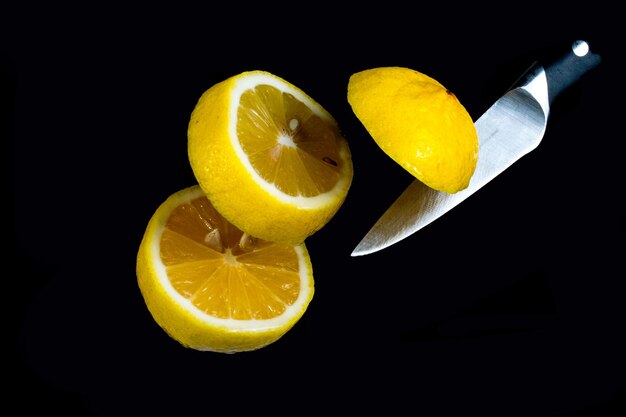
[356,253]
[362,249]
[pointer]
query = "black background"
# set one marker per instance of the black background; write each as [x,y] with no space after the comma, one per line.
[511,304]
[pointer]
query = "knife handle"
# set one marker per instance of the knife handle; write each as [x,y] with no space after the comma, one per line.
[565,70]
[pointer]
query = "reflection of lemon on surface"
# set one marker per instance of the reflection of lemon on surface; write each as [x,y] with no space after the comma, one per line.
[211,286]
[418,123]
[271,160]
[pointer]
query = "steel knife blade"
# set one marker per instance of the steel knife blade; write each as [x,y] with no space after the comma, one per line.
[512,127]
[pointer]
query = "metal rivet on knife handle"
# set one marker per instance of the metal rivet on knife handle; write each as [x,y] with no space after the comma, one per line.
[567,69]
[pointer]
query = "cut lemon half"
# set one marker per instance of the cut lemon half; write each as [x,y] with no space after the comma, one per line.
[419,123]
[270,159]
[212,287]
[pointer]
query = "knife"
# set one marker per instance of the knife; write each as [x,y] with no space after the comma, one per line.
[513,126]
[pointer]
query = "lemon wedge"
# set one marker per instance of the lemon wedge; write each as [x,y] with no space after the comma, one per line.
[417,122]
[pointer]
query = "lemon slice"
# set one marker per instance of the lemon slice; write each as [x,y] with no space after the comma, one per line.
[270,159]
[417,122]
[212,287]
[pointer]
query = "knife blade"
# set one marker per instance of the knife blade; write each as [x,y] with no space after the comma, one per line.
[511,128]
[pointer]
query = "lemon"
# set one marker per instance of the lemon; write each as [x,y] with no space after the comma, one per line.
[269,158]
[417,122]
[212,287]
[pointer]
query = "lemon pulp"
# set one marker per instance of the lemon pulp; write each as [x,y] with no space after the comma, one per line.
[286,143]
[223,271]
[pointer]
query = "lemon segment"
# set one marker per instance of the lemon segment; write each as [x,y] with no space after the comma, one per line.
[212,287]
[270,159]
[420,124]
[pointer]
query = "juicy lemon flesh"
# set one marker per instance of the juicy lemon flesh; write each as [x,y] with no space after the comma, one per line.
[224,272]
[286,143]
